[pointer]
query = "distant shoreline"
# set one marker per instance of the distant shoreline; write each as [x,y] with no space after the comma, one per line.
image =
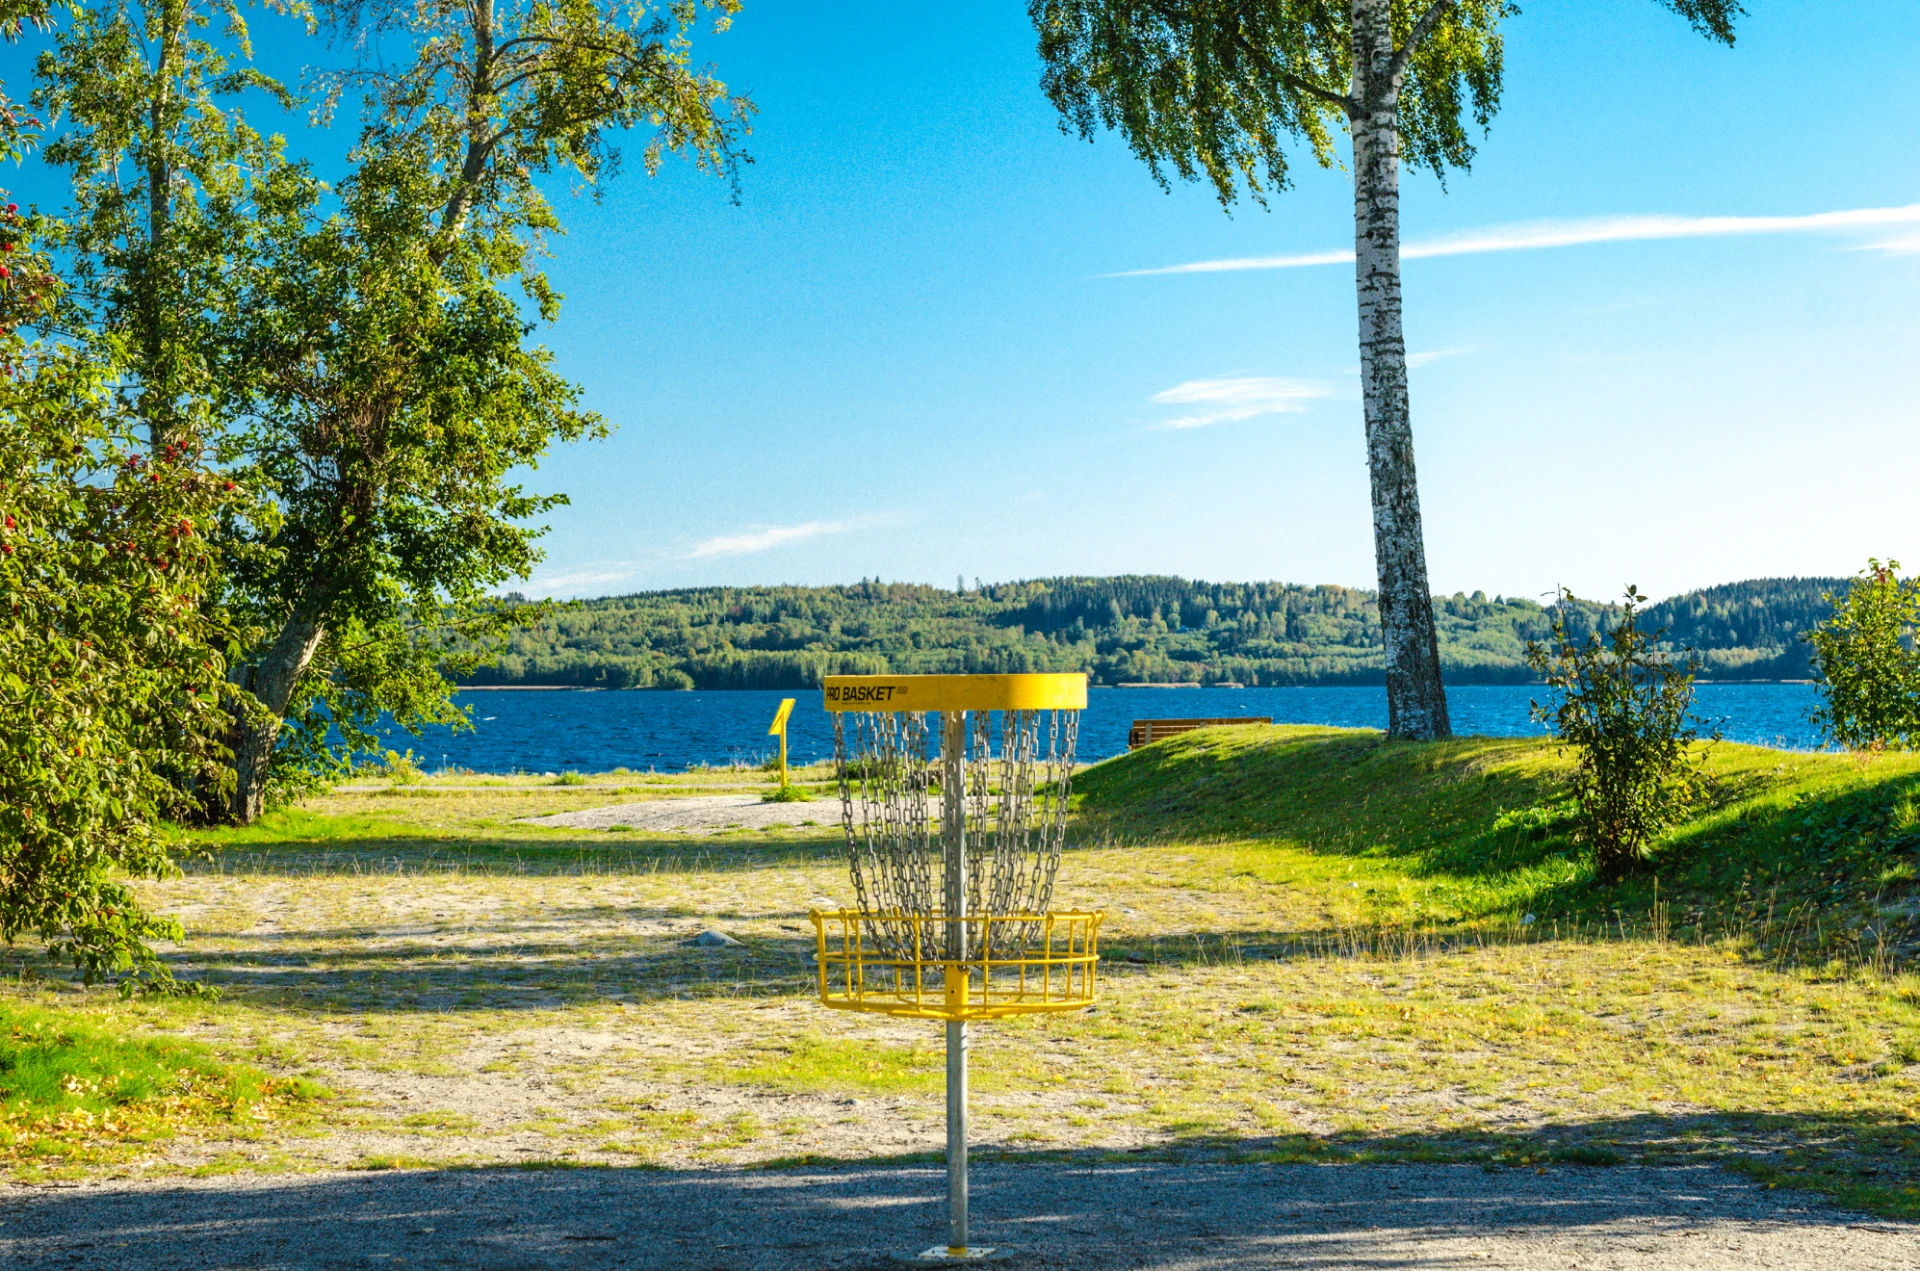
[531,688]
[808,688]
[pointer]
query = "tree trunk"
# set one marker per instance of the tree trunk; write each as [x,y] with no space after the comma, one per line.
[480,136]
[157,395]
[1416,703]
[271,682]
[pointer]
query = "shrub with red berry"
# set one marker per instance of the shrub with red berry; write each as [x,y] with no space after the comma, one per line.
[111,667]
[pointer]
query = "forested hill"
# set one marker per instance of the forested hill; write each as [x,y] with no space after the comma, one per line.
[1117,630]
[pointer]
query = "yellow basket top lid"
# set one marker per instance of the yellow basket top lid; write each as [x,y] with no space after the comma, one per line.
[955,692]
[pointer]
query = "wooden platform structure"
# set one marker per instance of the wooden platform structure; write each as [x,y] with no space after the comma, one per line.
[1147,731]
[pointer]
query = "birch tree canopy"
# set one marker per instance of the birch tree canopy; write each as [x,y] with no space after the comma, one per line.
[1221,89]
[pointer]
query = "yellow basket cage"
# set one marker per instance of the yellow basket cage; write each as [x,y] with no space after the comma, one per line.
[893,964]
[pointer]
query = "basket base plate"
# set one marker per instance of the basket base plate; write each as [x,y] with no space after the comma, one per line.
[941,1256]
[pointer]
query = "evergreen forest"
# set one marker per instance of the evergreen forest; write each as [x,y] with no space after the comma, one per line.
[1127,629]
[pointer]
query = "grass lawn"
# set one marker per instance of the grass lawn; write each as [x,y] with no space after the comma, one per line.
[1319,946]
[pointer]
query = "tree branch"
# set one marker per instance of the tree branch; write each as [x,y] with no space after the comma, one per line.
[1422,28]
[1346,104]
[1173,16]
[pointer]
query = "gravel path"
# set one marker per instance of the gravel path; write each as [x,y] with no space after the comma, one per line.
[707,814]
[1165,1217]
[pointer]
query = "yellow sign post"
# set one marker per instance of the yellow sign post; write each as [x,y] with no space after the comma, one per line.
[779,729]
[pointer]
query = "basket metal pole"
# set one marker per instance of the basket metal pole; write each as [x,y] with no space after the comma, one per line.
[956,1135]
[953,835]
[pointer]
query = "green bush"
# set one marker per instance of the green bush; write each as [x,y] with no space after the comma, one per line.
[1866,665]
[1624,710]
[112,673]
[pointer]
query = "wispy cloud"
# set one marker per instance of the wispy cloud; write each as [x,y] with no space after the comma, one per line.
[1241,397]
[548,584]
[1433,355]
[1900,245]
[1243,262]
[763,540]
[1532,235]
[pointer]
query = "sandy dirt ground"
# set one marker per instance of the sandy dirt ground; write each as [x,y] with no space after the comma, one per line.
[1176,1218]
[707,814]
[535,1063]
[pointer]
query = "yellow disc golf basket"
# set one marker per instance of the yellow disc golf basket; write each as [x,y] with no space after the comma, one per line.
[953,850]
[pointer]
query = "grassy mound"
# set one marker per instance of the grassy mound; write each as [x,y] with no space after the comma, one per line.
[1749,999]
[73,1093]
[1811,856]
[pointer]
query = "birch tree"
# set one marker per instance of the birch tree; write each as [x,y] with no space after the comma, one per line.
[1217,89]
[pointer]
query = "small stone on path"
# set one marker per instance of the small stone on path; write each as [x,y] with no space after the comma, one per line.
[712,939]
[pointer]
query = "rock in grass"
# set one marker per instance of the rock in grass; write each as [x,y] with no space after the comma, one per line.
[714,939]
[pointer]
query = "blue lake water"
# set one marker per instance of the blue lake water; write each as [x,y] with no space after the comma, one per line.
[534,731]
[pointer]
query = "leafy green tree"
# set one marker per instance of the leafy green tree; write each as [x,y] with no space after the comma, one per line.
[1218,88]
[1625,709]
[163,166]
[111,670]
[167,229]
[389,391]
[1867,663]
[498,97]
[392,394]
[353,350]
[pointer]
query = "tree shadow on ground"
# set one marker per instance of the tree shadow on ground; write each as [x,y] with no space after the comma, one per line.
[498,966]
[588,952]
[1277,1204]
[540,857]
[537,965]
[571,957]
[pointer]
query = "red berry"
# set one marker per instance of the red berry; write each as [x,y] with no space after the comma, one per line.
[9,522]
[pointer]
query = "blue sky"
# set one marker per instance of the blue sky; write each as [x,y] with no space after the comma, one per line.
[918,347]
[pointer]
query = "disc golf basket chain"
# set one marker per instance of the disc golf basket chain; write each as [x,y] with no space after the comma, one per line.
[953,851]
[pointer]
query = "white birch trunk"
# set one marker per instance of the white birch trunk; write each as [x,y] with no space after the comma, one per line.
[1416,703]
